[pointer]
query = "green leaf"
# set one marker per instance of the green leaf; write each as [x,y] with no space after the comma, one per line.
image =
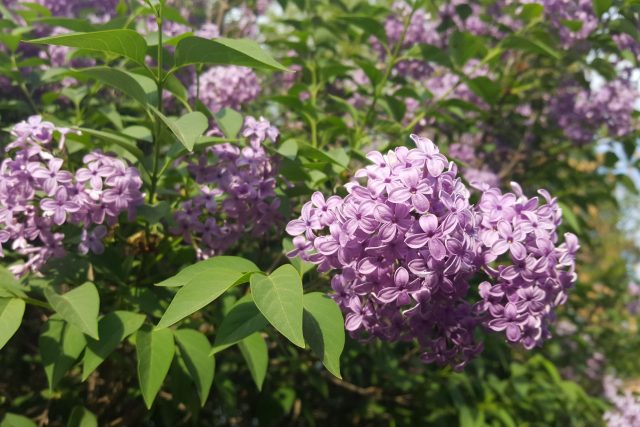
[82,417]
[531,11]
[255,353]
[187,128]
[70,24]
[369,24]
[15,420]
[464,46]
[11,312]
[570,216]
[311,152]
[223,51]
[9,283]
[485,88]
[155,351]
[242,320]
[278,296]
[119,79]
[127,43]
[572,24]
[121,140]
[60,345]
[434,54]
[288,149]
[229,121]
[601,6]
[194,350]
[531,45]
[113,328]
[79,307]
[198,292]
[234,263]
[192,126]
[324,329]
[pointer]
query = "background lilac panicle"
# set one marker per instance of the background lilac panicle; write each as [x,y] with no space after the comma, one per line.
[405,243]
[38,196]
[235,194]
[226,86]
[558,12]
[580,112]
[626,406]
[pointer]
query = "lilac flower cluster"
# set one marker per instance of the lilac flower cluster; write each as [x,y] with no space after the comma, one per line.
[626,410]
[580,112]
[37,196]
[236,192]
[538,272]
[226,86]
[558,12]
[406,243]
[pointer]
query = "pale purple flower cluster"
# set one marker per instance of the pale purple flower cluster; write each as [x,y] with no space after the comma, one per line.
[580,112]
[626,405]
[226,86]
[538,271]
[37,196]
[236,192]
[405,243]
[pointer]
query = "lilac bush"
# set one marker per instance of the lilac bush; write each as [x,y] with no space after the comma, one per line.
[407,243]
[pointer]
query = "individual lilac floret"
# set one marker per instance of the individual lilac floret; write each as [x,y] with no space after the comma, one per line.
[37,196]
[236,193]
[226,86]
[405,242]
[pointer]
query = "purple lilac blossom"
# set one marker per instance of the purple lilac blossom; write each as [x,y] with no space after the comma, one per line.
[580,112]
[558,12]
[405,242]
[236,192]
[37,196]
[226,86]
[538,272]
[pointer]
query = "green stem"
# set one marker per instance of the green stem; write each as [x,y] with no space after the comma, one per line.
[313,95]
[157,126]
[37,303]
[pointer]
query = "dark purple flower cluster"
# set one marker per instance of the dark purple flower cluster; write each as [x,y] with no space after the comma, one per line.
[406,243]
[37,196]
[236,192]
[581,112]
